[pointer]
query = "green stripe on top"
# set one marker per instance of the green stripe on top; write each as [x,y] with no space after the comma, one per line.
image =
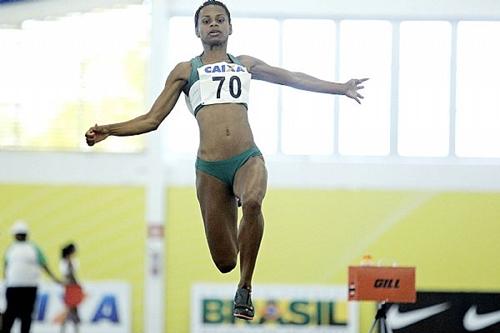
[193,77]
[197,63]
[42,261]
[234,59]
[5,261]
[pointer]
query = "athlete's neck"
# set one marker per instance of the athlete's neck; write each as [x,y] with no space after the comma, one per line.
[212,55]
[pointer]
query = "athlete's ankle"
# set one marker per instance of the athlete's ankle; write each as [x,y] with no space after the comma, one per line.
[246,286]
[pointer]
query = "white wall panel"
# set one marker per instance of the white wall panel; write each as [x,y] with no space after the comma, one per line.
[284,172]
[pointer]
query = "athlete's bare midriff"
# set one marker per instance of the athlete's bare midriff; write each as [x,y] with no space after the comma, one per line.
[224,131]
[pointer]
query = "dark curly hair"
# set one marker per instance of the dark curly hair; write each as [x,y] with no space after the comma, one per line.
[67,250]
[208,3]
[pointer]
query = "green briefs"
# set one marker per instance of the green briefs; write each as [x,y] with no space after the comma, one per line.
[225,170]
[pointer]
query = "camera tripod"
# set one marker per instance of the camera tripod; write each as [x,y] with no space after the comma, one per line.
[381,318]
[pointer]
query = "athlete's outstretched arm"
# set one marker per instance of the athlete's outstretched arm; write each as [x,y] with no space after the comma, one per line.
[149,121]
[262,71]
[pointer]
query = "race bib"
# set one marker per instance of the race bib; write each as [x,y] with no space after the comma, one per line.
[224,83]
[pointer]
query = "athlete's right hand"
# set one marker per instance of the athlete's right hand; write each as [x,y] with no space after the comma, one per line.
[96,134]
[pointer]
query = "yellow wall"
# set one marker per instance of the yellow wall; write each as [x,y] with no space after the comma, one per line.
[106,223]
[311,236]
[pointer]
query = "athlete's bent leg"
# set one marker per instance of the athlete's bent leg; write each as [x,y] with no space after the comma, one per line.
[220,217]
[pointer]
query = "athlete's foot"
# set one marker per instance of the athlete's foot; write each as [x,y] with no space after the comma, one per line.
[243,307]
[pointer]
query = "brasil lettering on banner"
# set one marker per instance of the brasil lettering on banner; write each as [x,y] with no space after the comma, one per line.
[298,312]
[280,308]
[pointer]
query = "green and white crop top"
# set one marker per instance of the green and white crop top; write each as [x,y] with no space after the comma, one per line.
[217,83]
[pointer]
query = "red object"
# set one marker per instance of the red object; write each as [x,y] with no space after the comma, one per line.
[73,295]
[156,231]
[382,283]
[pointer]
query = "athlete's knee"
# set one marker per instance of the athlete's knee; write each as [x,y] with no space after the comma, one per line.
[251,207]
[225,266]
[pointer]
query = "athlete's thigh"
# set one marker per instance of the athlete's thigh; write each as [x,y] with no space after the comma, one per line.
[219,212]
[250,181]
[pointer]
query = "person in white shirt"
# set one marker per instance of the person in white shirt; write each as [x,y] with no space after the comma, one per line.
[23,262]
[230,169]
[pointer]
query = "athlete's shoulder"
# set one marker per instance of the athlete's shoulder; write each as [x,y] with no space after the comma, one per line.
[183,65]
[182,70]
[248,61]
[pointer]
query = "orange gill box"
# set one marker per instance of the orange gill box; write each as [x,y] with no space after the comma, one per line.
[382,283]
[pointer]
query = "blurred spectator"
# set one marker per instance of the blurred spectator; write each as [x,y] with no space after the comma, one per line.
[73,294]
[23,260]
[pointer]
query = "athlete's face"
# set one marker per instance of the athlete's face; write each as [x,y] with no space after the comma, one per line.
[213,25]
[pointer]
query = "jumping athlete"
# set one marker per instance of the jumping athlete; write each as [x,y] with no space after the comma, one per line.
[230,169]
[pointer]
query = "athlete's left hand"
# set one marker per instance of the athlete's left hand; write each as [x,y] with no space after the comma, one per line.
[352,87]
[96,134]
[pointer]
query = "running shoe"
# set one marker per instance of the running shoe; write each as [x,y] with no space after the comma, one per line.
[243,307]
